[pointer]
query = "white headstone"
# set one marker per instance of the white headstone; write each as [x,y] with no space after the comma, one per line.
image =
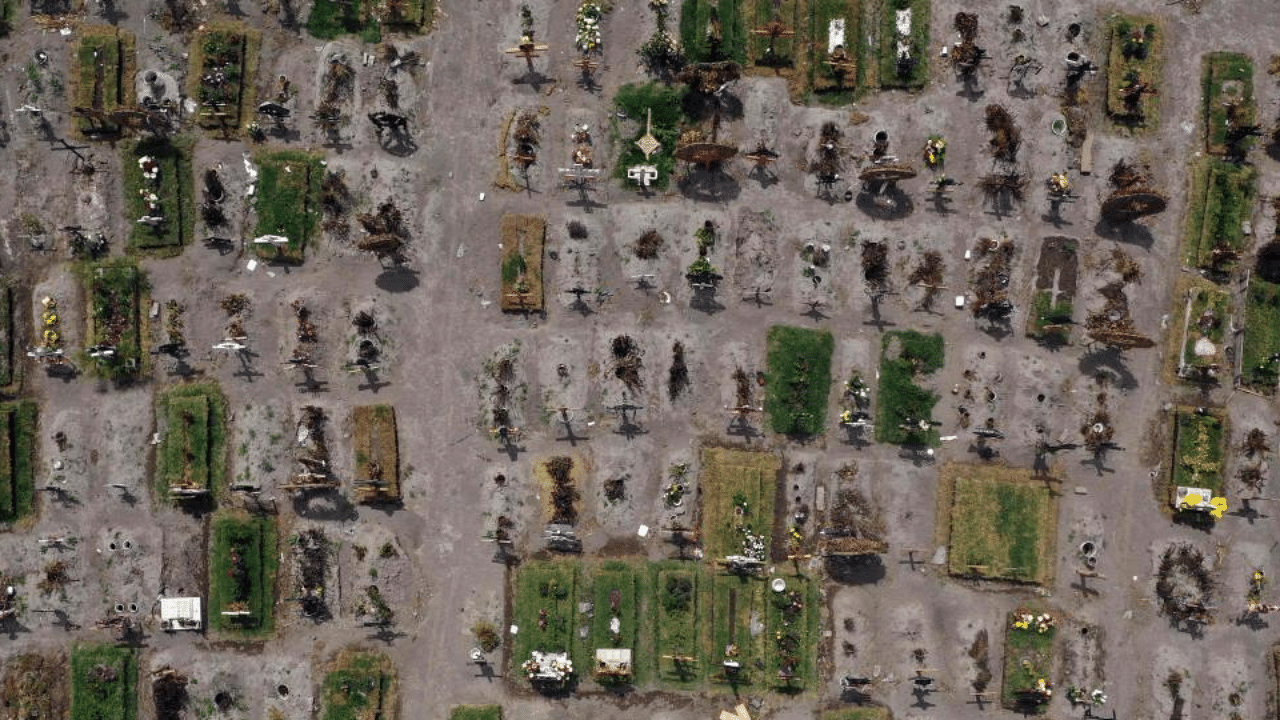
[642,174]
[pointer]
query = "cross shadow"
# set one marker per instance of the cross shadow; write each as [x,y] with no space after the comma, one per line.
[970,87]
[586,202]
[13,627]
[1083,587]
[310,383]
[512,449]
[1126,232]
[890,204]
[922,697]
[762,175]
[816,313]
[941,203]
[998,329]
[247,370]
[570,436]
[62,496]
[398,142]
[1054,216]
[63,620]
[334,142]
[704,299]
[372,384]
[1099,463]
[386,634]
[739,427]
[323,504]
[1248,512]
[1110,359]
[709,185]
[284,134]
[876,318]
[1253,621]
[533,79]
[630,429]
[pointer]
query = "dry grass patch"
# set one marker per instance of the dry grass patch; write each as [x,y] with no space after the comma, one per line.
[522,238]
[1001,523]
[738,490]
[34,687]
[360,685]
[377,453]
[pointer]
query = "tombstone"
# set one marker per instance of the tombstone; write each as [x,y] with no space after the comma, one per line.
[642,174]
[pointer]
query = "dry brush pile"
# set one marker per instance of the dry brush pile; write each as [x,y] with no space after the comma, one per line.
[991,279]
[564,496]
[626,362]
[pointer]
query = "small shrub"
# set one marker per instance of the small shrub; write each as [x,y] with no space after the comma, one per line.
[677,596]
[486,636]
[648,245]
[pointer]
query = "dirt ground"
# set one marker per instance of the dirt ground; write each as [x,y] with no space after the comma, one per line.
[439,323]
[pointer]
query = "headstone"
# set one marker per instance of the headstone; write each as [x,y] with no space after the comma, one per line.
[835,35]
[642,174]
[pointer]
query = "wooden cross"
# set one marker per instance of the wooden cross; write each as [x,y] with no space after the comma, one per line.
[841,62]
[762,156]
[774,29]
[911,556]
[587,67]
[580,178]
[795,559]
[981,698]
[743,410]
[528,50]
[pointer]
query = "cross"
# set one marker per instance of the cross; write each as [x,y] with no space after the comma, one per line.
[774,29]
[587,66]
[527,49]
[647,143]
[580,178]
[762,156]
[840,61]
[642,174]
[578,175]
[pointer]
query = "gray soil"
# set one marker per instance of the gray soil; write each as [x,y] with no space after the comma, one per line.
[439,322]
